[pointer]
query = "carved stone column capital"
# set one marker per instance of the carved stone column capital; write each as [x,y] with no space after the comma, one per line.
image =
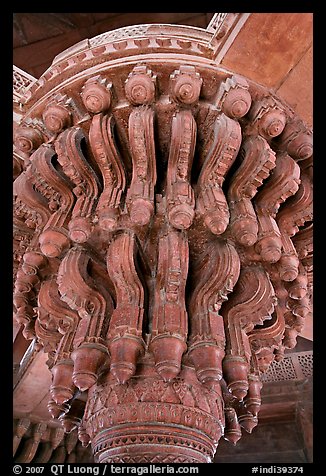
[162,243]
[149,420]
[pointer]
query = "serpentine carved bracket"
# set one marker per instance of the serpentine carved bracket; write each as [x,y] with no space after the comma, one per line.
[162,242]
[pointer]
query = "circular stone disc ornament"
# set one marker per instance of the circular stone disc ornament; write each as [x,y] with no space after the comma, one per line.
[140,89]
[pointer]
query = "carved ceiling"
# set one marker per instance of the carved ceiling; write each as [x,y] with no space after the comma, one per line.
[163,238]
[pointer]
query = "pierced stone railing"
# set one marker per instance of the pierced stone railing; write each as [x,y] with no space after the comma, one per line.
[22,81]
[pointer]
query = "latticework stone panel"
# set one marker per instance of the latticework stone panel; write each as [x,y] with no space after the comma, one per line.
[292,367]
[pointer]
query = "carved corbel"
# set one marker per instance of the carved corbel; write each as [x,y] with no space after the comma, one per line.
[55,187]
[216,275]
[238,414]
[267,117]
[94,305]
[31,444]
[296,138]
[96,94]
[288,264]
[107,157]
[296,211]
[24,288]
[233,97]
[140,86]
[179,193]
[266,341]
[170,319]
[22,426]
[211,201]
[251,303]
[72,419]
[283,182]
[258,160]
[299,307]
[309,267]
[125,340]
[185,85]
[33,262]
[140,195]
[62,388]
[35,171]
[74,164]
[65,324]
[72,458]
[290,338]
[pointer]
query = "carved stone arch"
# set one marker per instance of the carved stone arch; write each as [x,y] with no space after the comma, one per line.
[58,189]
[283,183]
[30,203]
[211,201]
[22,236]
[303,240]
[215,275]
[80,172]
[179,193]
[268,338]
[54,313]
[125,333]
[107,157]
[258,159]
[298,209]
[170,319]
[140,195]
[296,139]
[31,208]
[295,212]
